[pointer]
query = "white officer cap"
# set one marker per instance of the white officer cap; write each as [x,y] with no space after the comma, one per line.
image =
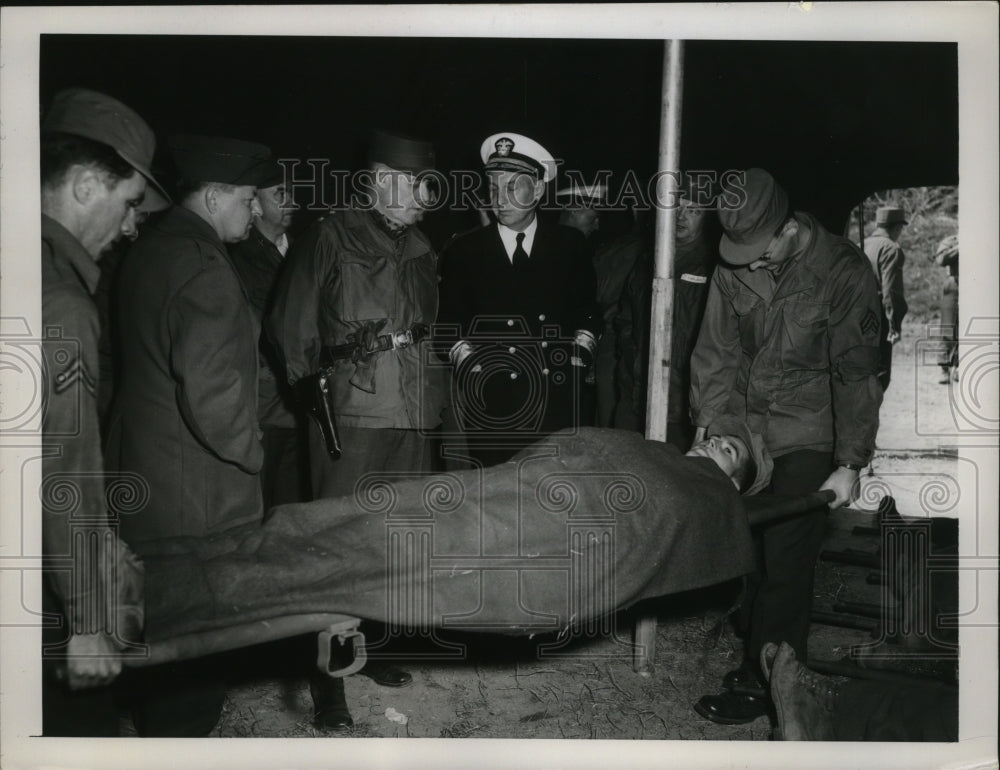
[513,152]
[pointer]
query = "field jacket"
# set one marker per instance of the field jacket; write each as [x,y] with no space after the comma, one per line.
[795,355]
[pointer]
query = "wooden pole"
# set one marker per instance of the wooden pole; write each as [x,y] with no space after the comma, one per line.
[662,321]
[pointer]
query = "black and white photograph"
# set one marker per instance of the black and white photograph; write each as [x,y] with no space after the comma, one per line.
[543,382]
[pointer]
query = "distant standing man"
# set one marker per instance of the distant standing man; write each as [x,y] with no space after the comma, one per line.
[946,256]
[518,301]
[789,342]
[886,256]
[95,159]
[259,260]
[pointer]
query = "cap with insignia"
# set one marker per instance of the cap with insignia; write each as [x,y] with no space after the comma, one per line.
[886,216]
[103,119]
[514,152]
[223,160]
[401,153]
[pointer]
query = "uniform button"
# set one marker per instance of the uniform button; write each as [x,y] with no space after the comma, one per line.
[510,321]
[513,375]
[541,317]
[545,344]
[512,350]
[545,372]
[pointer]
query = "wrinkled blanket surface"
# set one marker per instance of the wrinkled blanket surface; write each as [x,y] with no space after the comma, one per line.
[570,530]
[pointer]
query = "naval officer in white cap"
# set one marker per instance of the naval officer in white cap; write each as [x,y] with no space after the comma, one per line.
[518,315]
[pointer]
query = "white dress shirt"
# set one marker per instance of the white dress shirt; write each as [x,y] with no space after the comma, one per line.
[509,238]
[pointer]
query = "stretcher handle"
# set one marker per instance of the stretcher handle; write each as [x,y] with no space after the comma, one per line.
[762,509]
[359,654]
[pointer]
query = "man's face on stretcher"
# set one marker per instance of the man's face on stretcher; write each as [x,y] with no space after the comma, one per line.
[728,452]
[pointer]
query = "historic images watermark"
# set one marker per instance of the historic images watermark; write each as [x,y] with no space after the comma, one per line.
[316,186]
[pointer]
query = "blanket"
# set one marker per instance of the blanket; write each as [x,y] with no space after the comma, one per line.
[570,530]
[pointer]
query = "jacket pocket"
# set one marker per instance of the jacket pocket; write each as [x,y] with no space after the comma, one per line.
[745,306]
[807,342]
[367,287]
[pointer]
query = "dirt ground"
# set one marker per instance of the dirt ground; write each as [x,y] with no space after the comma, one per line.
[523,688]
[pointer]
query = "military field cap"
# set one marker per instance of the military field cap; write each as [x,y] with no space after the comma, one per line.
[584,195]
[890,215]
[223,160]
[401,153]
[103,119]
[759,475]
[750,228]
[273,175]
[514,152]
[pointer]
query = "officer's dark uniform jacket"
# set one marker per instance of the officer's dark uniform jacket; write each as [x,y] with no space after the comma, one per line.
[258,262]
[345,271]
[796,356]
[186,415]
[520,320]
[72,477]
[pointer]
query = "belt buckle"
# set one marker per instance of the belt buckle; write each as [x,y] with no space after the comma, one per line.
[402,339]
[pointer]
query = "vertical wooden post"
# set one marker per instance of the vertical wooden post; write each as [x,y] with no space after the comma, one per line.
[662,320]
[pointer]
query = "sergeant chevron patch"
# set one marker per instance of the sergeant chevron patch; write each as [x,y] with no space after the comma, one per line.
[870,323]
[75,372]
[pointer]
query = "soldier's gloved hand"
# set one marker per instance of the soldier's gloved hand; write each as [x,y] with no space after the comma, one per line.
[893,337]
[364,365]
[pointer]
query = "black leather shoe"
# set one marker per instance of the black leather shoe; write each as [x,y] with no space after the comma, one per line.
[330,712]
[744,681]
[386,674]
[728,708]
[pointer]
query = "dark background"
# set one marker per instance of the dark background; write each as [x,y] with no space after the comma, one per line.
[832,121]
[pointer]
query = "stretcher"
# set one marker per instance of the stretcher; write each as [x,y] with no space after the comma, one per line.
[343,629]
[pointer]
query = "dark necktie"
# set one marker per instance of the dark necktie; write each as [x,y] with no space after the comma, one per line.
[520,255]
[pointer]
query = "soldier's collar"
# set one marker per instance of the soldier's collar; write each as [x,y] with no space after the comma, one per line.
[393,229]
[66,245]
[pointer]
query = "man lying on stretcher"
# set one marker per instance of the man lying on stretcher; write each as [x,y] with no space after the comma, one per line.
[576,526]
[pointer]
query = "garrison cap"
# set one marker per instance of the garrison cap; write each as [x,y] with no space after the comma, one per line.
[222,160]
[761,463]
[103,119]
[889,215]
[401,153]
[750,228]
[514,152]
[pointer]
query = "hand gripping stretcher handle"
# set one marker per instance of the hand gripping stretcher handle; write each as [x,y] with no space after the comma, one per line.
[762,509]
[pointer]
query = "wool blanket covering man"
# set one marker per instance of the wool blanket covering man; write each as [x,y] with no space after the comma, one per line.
[571,529]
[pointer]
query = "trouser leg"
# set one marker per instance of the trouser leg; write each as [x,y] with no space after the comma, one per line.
[780,595]
[177,700]
[366,450]
[281,477]
[604,376]
[884,364]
